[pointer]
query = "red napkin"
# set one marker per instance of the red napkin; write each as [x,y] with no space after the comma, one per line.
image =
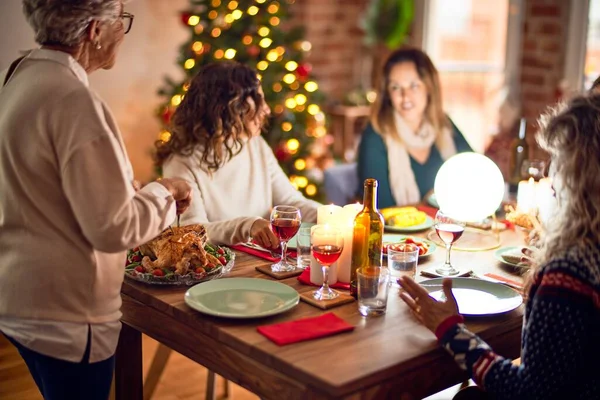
[305,329]
[431,211]
[505,280]
[261,254]
[304,277]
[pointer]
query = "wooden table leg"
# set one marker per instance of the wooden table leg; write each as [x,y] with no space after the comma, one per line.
[128,365]
[159,362]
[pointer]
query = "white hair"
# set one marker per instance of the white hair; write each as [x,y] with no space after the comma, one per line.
[63,22]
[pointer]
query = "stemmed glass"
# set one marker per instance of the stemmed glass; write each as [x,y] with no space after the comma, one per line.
[327,243]
[285,222]
[535,169]
[449,231]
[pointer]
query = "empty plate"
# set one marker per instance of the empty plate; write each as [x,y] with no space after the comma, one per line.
[241,297]
[476,297]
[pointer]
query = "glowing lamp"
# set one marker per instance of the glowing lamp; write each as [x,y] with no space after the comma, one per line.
[469,187]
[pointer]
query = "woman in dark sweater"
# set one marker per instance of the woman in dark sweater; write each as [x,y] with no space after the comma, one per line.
[409,136]
[560,348]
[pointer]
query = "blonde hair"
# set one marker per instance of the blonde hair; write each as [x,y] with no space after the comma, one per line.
[382,113]
[571,135]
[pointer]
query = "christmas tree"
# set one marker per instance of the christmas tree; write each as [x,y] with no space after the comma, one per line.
[257,33]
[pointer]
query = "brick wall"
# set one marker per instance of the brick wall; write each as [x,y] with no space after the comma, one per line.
[544,50]
[338,56]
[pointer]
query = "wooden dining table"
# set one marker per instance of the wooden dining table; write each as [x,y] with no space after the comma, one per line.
[390,356]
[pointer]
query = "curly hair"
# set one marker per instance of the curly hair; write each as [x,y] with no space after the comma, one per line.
[214,115]
[571,135]
[63,22]
[382,113]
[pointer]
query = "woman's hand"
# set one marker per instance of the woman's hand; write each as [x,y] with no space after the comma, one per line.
[262,234]
[180,190]
[426,309]
[529,257]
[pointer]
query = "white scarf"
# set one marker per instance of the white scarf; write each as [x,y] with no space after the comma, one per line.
[402,178]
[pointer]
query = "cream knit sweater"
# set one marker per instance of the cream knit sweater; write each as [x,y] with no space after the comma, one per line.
[244,189]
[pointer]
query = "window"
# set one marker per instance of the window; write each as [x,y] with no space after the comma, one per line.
[470,43]
[592,54]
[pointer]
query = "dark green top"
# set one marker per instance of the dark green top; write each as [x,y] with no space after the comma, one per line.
[373,163]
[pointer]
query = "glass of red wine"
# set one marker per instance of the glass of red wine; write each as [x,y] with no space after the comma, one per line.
[449,231]
[285,222]
[327,244]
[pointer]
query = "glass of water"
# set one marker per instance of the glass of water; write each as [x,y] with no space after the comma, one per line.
[303,247]
[373,284]
[402,260]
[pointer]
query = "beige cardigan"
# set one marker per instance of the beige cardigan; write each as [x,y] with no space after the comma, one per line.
[68,210]
[244,189]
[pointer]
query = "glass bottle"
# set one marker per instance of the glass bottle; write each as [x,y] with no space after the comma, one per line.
[367,237]
[519,152]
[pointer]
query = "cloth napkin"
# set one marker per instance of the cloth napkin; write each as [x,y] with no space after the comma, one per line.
[431,211]
[261,254]
[305,329]
[516,284]
[304,278]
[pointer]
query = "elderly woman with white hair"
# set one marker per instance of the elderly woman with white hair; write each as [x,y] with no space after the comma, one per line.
[68,206]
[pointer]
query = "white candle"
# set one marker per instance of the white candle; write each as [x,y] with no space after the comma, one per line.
[316,269]
[346,224]
[526,196]
[546,202]
[327,214]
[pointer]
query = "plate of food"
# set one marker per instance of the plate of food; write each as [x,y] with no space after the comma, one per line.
[426,247]
[405,219]
[510,256]
[178,256]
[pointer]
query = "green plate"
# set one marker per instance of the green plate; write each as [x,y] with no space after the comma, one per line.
[415,228]
[476,297]
[509,249]
[241,298]
[390,238]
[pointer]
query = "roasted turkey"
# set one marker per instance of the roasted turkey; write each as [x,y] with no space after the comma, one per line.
[179,249]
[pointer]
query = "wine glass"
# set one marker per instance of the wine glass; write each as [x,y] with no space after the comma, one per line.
[327,243]
[533,168]
[449,231]
[285,222]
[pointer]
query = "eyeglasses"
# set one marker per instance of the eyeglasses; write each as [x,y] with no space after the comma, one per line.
[127,19]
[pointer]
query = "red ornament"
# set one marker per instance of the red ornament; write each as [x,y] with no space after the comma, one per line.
[281,153]
[185,17]
[166,115]
[303,70]
[253,51]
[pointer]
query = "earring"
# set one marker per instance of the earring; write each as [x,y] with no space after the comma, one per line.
[98,45]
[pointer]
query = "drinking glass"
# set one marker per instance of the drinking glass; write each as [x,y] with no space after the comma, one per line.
[449,231]
[285,222]
[327,243]
[535,169]
[373,284]
[303,249]
[402,260]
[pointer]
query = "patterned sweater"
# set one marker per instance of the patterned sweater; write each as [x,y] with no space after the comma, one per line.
[560,349]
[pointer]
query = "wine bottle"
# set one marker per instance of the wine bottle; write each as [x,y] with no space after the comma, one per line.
[519,152]
[367,237]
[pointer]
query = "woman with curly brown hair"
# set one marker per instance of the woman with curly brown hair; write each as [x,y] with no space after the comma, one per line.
[560,348]
[216,145]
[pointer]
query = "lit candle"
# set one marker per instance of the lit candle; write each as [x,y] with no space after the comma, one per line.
[316,269]
[346,223]
[545,199]
[327,214]
[526,196]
